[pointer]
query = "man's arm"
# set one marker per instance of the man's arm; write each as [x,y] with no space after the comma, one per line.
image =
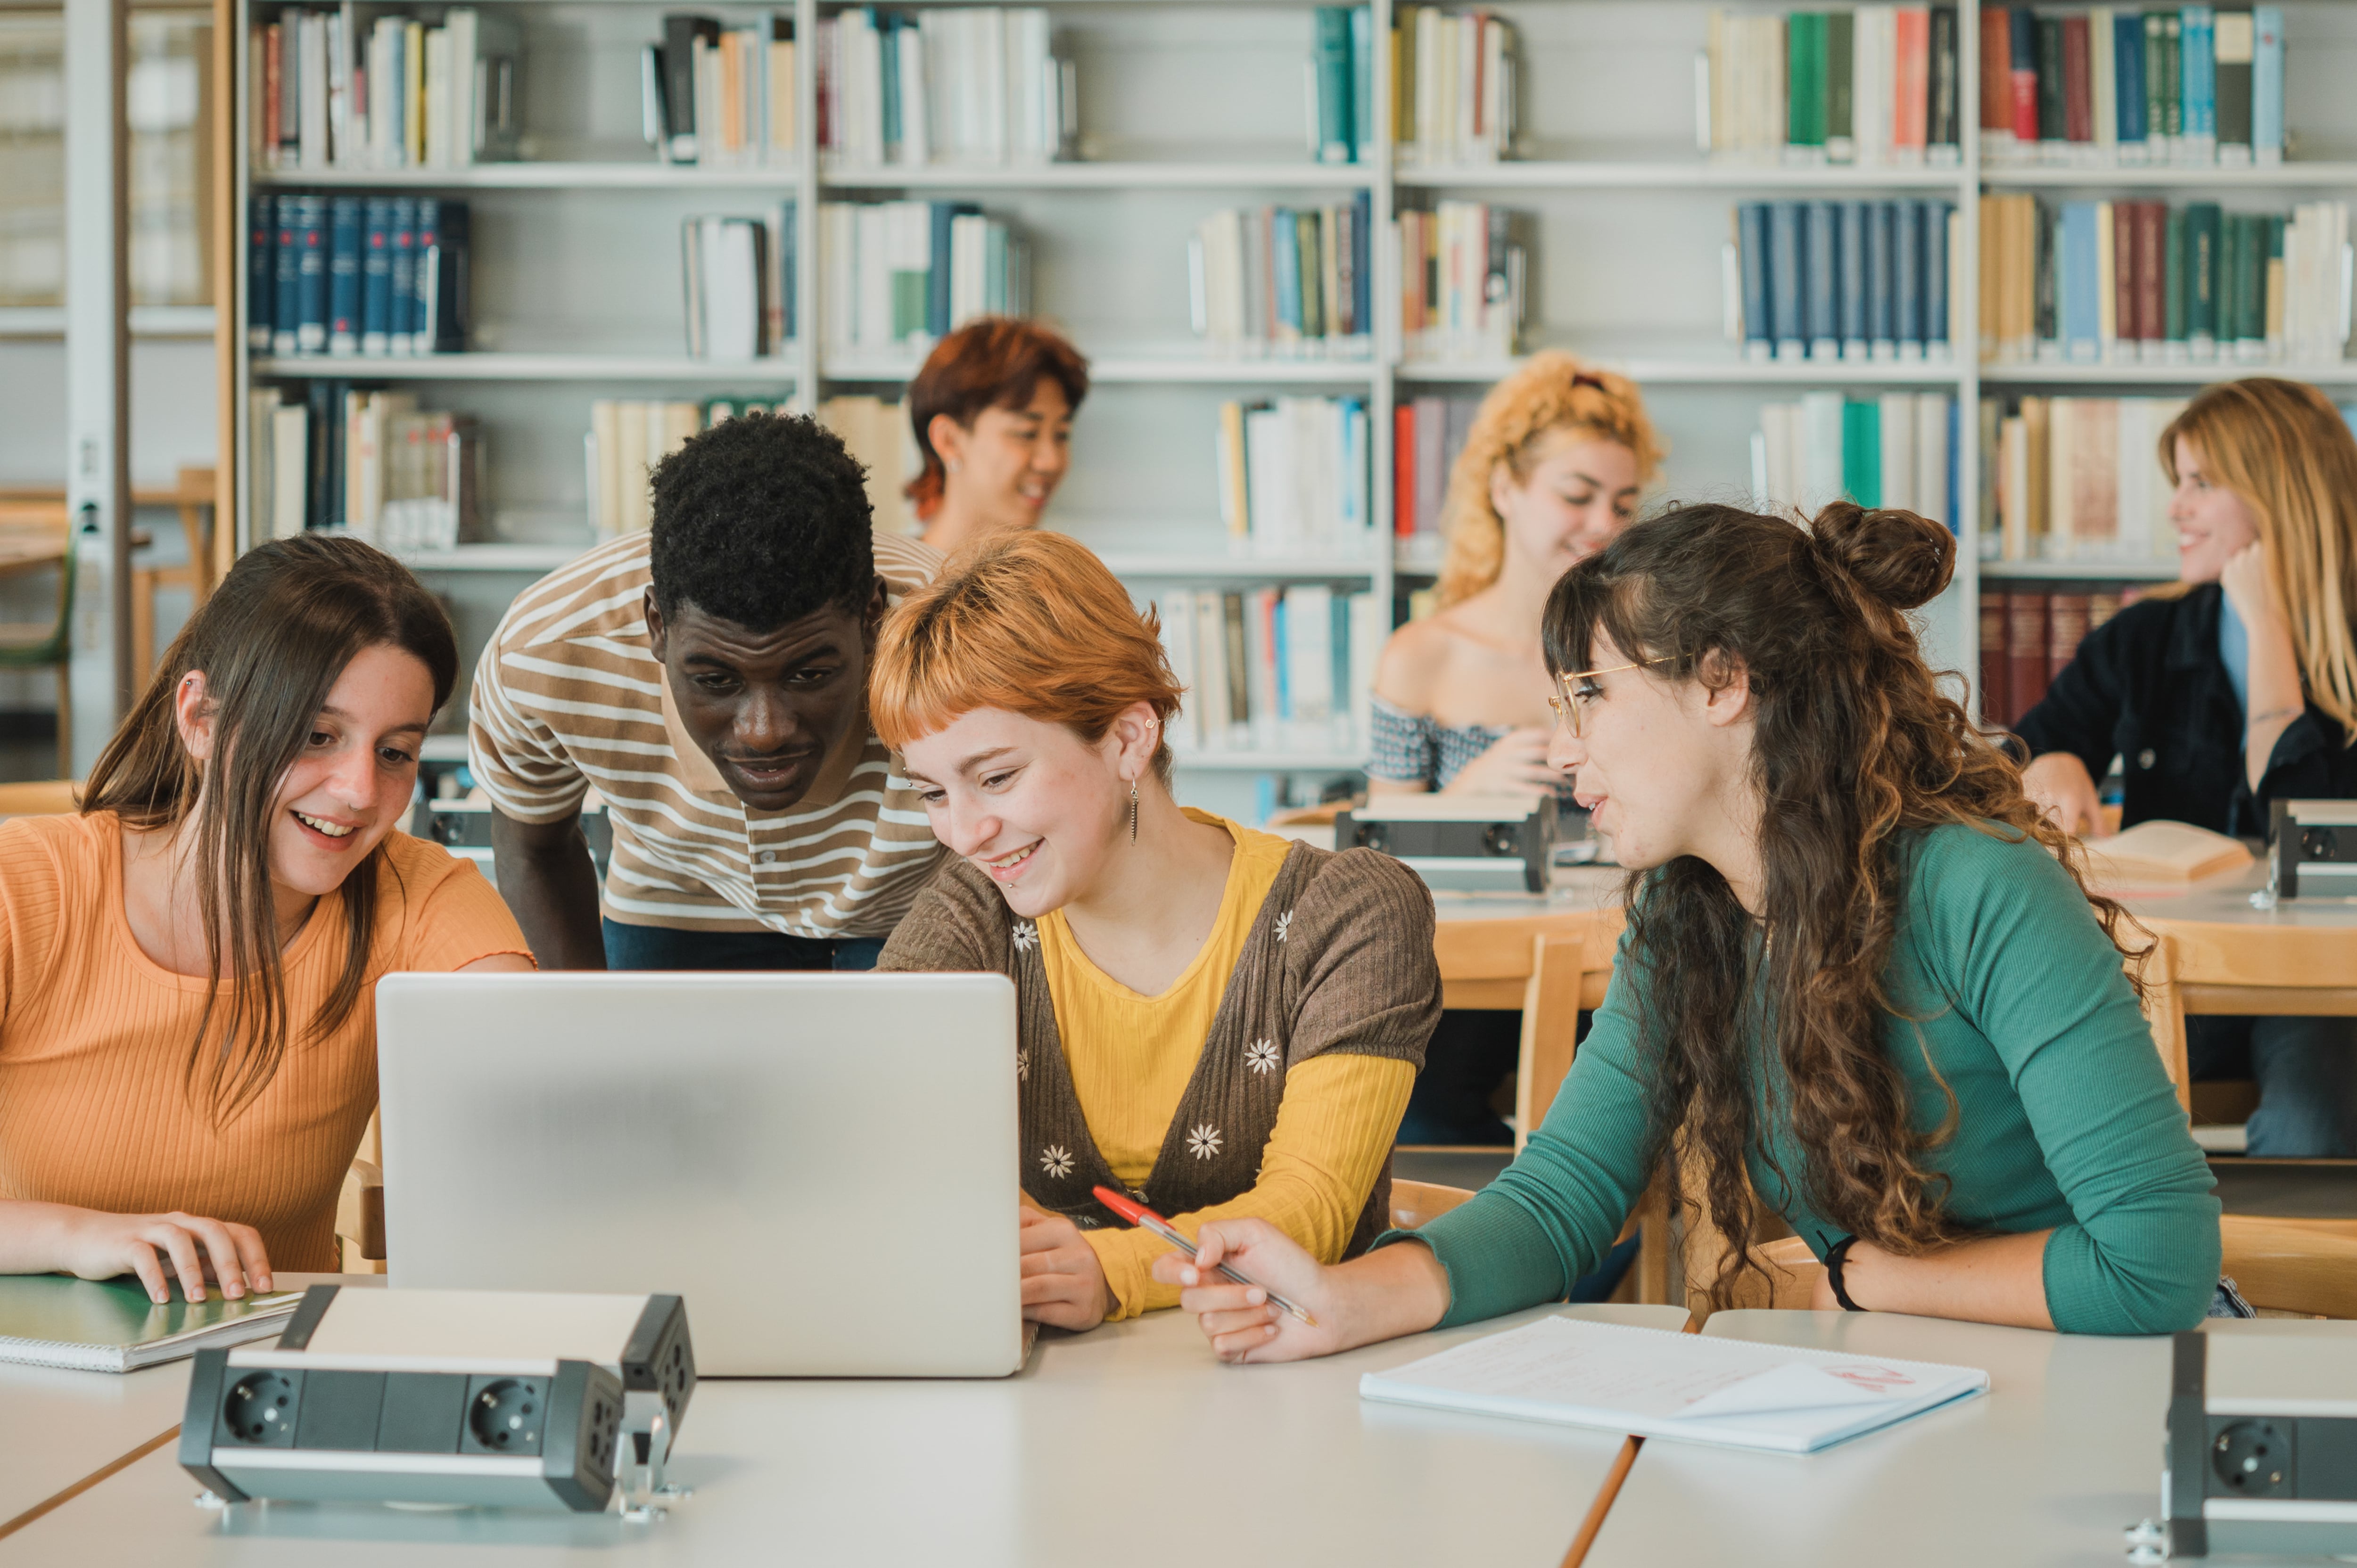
[549,881]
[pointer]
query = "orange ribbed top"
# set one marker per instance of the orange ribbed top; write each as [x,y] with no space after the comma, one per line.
[95,1036]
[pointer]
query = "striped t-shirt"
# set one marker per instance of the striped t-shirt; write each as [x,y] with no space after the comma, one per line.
[568,696]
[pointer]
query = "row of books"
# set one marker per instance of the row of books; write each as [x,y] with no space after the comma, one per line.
[976,84]
[1282,281]
[2076,478]
[628,437]
[327,92]
[1465,280]
[372,463]
[717,95]
[877,433]
[734,290]
[2147,282]
[1841,280]
[2029,636]
[1896,450]
[2114,84]
[1294,476]
[909,272]
[1339,82]
[1872,85]
[1454,89]
[1427,435]
[1270,669]
[377,275]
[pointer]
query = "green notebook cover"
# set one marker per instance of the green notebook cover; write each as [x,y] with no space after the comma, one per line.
[111,1326]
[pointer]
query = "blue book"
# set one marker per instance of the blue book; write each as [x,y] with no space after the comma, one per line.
[1907,248]
[1353,467]
[376,277]
[1787,258]
[399,330]
[1280,654]
[1363,100]
[1284,257]
[1881,293]
[423,271]
[788,247]
[311,277]
[889,44]
[2198,77]
[2266,83]
[1937,215]
[344,277]
[2079,307]
[1751,260]
[937,279]
[2127,75]
[1853,280]
[438,324]
[286,308]
[261,272]
[1824,248]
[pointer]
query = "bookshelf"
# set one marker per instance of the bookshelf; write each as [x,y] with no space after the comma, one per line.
[1186,108]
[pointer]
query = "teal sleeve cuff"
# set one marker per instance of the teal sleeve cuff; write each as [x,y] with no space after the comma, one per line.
[2165,1286]
[1498,1257]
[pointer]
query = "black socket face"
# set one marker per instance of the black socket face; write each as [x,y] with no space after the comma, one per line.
[259,1409]
[2251,1459]
[506,1415]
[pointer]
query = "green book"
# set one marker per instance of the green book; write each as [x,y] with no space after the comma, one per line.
[1336,143]
[1804,91]
[1841,86]
[2053,120]
[1313,274]
[2251,287]
[2201,272]
[1862,452]
[2229,289]
[2173,290]
[2156,77]
[111,1326]
[2173,74]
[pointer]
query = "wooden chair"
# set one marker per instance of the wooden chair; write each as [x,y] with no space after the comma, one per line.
[1414,1202]
[359,1208]
[192,498]
[42,797]
[2199,967]
[34,644]
[2304,1268]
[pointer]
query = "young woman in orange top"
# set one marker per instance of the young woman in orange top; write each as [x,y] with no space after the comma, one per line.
[188,1029]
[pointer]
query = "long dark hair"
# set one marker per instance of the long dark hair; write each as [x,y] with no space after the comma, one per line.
[271,643]
[1856,747]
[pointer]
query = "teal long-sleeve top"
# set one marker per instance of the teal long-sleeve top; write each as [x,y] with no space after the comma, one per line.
[2065,1117]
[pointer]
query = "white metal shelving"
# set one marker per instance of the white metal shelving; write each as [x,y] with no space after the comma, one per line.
[775,371]
[2154,571]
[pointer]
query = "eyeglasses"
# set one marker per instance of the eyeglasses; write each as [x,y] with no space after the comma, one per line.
[1568,703]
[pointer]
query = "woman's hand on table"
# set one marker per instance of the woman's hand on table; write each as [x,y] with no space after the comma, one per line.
[1064,1285]
[1515,764]
[1399,1290]
[96,1245]
[2060,785]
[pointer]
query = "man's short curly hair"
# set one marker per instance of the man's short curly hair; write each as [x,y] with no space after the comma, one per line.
[761,520]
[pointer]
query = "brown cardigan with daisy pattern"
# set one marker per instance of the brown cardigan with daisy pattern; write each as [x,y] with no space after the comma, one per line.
[1339,960]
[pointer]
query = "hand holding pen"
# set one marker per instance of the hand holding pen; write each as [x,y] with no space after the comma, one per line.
[1137,1214]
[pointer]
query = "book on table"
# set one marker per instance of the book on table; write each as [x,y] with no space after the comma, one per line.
[1685,1387]
[2163,851]
[112,1326]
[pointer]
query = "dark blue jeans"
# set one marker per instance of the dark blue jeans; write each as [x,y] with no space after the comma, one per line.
[664,947]
[2307,1073]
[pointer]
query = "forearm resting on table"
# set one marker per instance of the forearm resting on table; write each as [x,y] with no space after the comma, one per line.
[546,874]
[1994,1279]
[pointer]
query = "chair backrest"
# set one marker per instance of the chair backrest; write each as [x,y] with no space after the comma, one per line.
[1414,1202]
[2285,1265]
[1792,1273]
[44,798]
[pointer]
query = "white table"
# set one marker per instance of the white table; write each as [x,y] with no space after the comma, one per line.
[2048,1468]
[1130,1444]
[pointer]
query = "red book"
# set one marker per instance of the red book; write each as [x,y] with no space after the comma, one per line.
[2152,270]
[2067,616]
[1912,77]
[2078,82]
[1403,469]
[2025,652]
[2025,77]
[1996,82]
[1996,711]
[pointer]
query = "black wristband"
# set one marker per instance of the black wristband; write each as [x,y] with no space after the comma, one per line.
[1835,1256]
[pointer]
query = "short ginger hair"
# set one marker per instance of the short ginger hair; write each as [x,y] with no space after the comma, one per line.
[991,361]
[1032,623]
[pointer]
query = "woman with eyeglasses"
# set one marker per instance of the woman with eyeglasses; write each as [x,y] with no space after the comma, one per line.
[1864,986]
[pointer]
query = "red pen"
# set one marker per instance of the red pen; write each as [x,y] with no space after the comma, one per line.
[1137,1214]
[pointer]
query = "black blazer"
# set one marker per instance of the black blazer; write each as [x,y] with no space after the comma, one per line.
[2149,687]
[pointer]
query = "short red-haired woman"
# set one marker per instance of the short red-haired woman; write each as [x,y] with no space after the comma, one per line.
[992,409]
[1217,1021]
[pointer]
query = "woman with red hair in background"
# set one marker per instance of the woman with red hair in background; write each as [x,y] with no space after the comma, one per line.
[992,409]
[1222,1023]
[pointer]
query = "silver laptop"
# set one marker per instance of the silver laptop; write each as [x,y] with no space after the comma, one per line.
[822,1165]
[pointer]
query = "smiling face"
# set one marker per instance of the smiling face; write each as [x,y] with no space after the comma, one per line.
[1004,470]
[1580,493]
[2213,522]
[1655,761]
[1041,810]
[350,783]
[767,707]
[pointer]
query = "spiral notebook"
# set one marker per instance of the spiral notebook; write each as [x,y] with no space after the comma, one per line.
[1685,1387]
[111,1326]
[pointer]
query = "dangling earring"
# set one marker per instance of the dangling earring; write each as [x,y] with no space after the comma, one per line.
[1133,810]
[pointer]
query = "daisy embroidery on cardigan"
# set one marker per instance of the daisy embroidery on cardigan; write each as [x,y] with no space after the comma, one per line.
[1022,1064]
[1261,1055]
[1056,1160]
[1025,935]
[1203,1140]
[1283,924]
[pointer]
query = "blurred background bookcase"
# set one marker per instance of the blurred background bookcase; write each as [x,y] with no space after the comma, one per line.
[1186,106]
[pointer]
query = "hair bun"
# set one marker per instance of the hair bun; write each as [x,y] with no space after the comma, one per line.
[1898,557]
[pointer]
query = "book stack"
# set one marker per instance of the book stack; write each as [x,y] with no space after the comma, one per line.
[738,277]
[1842,280]
[401,94]
[2077,478]
[1897,450]
[2028,637]
[370,462]
[1341,84]
[1877,85]
[1427,435]
[627,438]
[1283,282]
[1464,282]
[1294,476]
[381,276]
[1454,76]
[977,85]
[879,436]
[720,96]
[2120,282]
[904,273]
[2113,84]
[1266,668]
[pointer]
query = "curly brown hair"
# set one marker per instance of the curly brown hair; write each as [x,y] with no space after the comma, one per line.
[1856,748]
